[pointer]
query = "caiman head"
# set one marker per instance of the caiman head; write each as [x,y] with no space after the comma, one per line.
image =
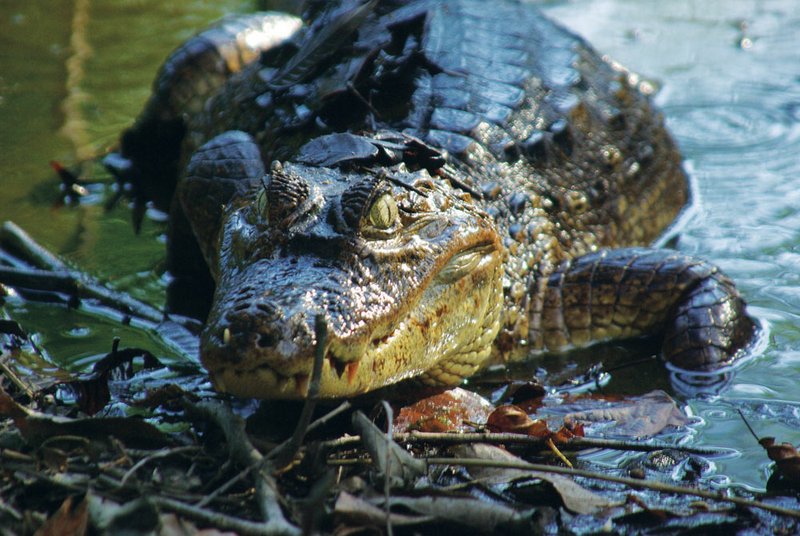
[404,267]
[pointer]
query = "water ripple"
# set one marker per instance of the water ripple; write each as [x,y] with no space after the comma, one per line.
[728,127]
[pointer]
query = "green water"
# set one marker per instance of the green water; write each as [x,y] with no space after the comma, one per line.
[730,92]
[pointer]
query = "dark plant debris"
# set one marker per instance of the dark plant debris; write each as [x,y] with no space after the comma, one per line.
[72,189]
[173,459]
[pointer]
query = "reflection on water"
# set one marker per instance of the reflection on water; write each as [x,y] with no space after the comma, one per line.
[731,95]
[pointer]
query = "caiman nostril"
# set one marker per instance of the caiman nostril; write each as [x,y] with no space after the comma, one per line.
[266,340]
[266,308]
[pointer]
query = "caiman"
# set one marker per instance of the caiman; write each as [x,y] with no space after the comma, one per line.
[447,183]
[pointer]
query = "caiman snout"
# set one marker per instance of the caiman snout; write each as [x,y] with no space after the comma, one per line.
[259,336]
[262,328]
[407,277]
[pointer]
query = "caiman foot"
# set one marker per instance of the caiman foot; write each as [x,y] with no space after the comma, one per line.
[622,293]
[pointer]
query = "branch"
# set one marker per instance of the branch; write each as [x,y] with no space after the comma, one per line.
[631,482]
[220,521]
[285,452]
[45,272]
[242,452]
[520,439]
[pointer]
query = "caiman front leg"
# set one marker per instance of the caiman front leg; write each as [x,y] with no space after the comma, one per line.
[629,292]
[222,168]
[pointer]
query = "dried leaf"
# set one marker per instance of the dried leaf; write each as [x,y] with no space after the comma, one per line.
[35,427]
[514,420]
[644,416]
[785,456]
[391,460]
[575,497]
[444,412]
[10,409]
[92,389]
[351,509]
[528,395]
[567,432]
[69,519]
[479,516]
[138,516]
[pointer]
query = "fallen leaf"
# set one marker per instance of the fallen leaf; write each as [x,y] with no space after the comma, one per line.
[353,510]
[138,516]
[69,519]
[786,458]
[527,393]
[389,458]
[92,389]
[10,409]
[477,515]
[575,497]
[513,420]
[643,416]
[567,432]
[443,412]
[35,427]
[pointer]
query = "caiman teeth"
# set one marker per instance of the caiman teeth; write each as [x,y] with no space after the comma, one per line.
[337,364]
[218,382]
[226,336]
[301,384]
[283,382]
[352,370]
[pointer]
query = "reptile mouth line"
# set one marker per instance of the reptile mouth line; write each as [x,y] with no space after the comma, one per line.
[296,384]
[457,266]
[342,362]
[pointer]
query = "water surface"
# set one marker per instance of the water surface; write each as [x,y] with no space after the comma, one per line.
[730,91]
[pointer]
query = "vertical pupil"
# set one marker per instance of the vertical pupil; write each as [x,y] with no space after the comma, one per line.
[381,213]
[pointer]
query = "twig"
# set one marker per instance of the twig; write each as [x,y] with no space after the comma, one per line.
[753,432]
[79,286]
[10,510]
[163,453]
[52,275]
[14,239]
[242,451]
[283,454]
[224,487]
[632,482]
[387,482]
[338,410]
[560,455]
[220,521]
[20,381]
[519,439]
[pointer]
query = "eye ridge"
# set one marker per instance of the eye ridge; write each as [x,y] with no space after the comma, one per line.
[357,200]
[284,194]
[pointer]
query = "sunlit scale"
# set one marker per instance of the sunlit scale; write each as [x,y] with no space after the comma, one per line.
[435,206]
[385,324]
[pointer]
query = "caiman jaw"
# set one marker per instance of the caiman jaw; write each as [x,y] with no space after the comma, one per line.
[408,278]
[263,350]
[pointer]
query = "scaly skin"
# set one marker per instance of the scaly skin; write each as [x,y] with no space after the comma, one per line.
[485,163]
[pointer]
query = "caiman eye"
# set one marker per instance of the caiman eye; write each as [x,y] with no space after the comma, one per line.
[383,212]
